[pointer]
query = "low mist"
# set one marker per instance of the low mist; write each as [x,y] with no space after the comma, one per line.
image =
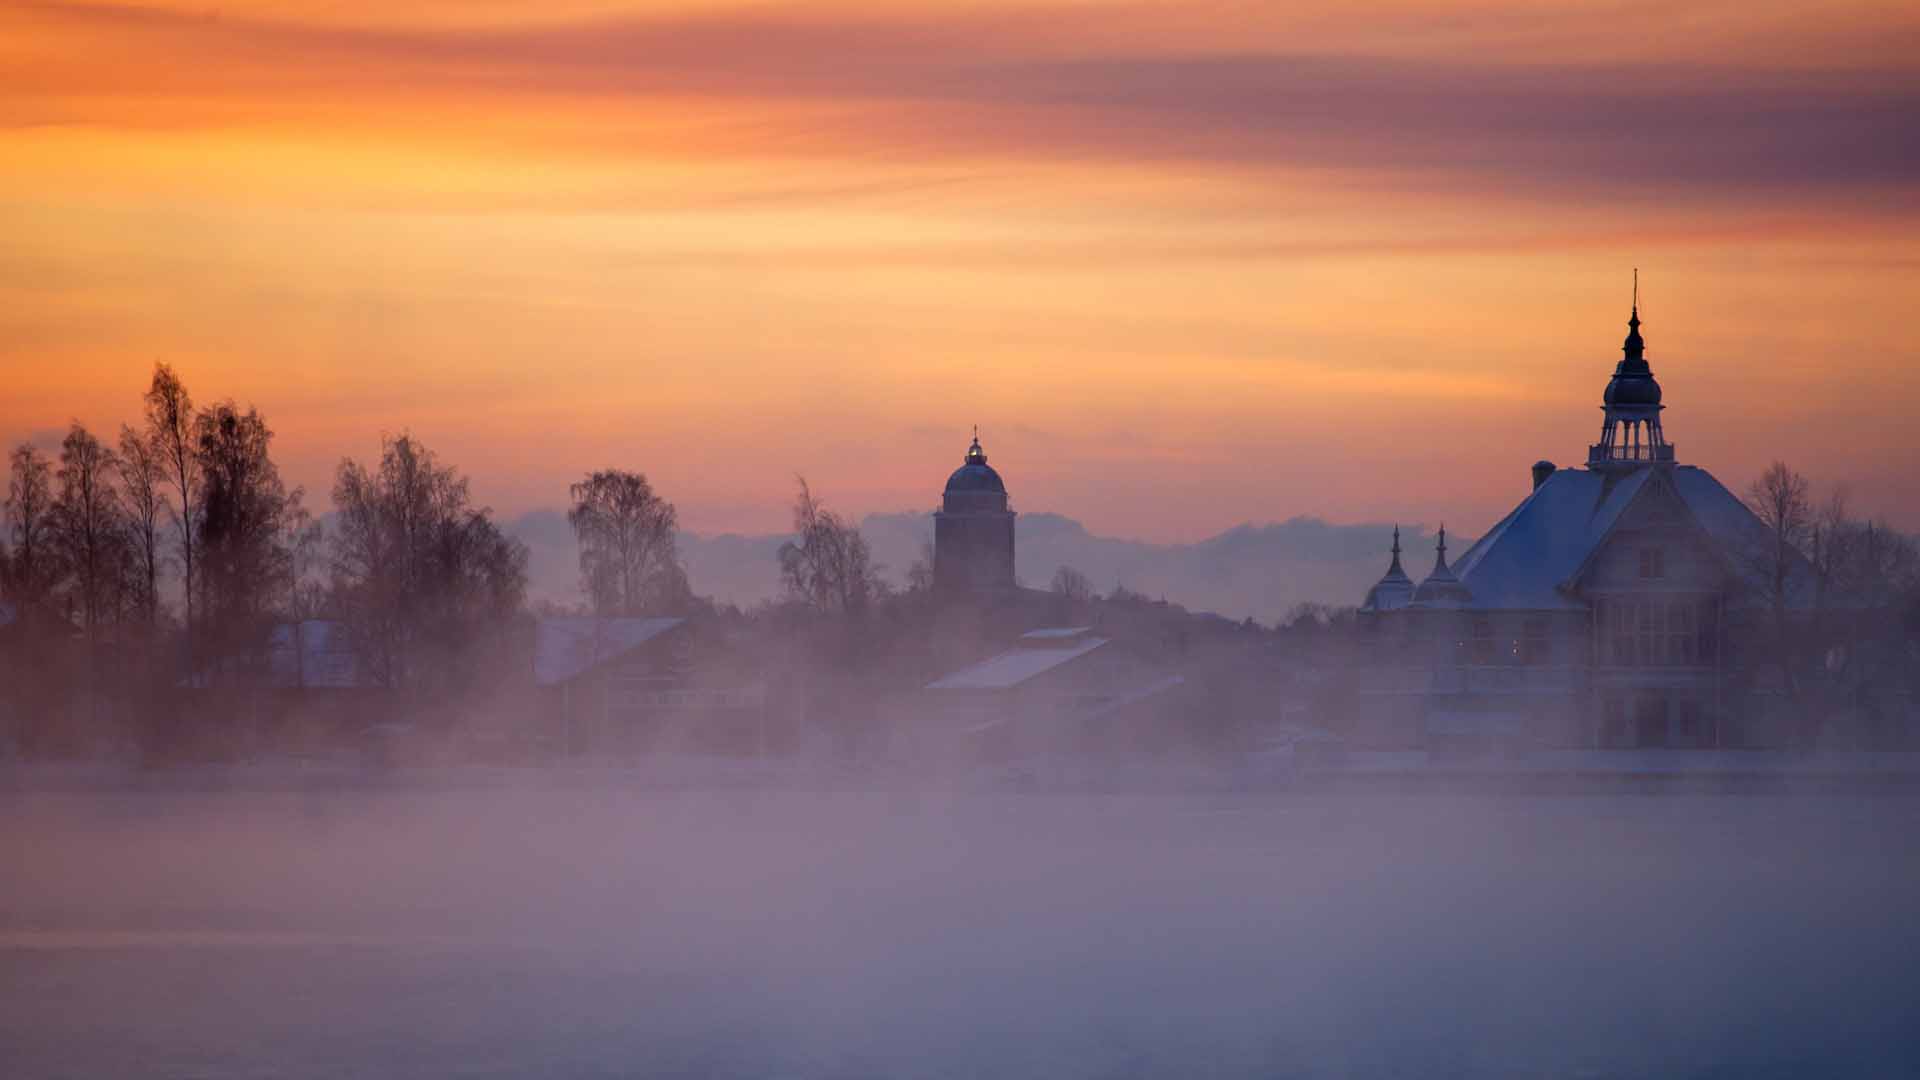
[586,924]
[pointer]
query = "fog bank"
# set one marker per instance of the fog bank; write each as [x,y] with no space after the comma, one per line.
[587,931]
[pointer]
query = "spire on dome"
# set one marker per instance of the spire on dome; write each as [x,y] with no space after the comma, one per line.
[1394,589]
[975,455]
[1630,435]
[1635,349]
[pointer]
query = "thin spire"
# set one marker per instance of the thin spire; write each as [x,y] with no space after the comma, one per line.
[1634,348]
[1394,568]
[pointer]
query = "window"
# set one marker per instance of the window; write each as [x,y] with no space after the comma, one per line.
[1680,633]
[1646,614]
[1482,640]
[1536,643]
[1648,632]
[1706,632]
[1653,562]
[1615,622]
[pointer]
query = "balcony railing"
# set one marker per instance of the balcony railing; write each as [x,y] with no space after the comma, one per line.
[1600,452]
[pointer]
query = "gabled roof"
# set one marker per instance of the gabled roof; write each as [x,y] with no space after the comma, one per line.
[1524,561]
[1011,668]
[565,647]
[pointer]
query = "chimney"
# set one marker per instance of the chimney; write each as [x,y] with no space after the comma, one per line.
[1541,470]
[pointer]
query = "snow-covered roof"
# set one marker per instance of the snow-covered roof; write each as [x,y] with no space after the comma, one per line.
[564,647]
[1017,665]
[1525,559]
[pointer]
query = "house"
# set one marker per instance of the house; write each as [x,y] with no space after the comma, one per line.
[1055,689]
[1597,613]
[628,686]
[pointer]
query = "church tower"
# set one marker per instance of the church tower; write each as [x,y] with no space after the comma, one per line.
[1630,435]
[973,529]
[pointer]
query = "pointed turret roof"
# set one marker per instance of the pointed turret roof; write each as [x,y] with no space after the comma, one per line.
[1395,588]
[1442,589]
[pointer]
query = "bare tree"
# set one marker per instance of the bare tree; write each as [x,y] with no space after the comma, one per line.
[33,570]
[170,428]
[629,564]
[1782,500]
[827,564]
[246,572]
[1074,586]
[88,526]
[422,578]
[920,572]
[141,474]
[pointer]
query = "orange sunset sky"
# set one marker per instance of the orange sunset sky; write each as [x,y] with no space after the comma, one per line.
[1187,264]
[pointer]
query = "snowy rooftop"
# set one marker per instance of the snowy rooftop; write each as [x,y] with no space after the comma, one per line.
[1525,559]
[1011,668]
[1055,633]
[564,647]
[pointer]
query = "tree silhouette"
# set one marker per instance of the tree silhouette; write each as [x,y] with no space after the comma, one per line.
[629,564]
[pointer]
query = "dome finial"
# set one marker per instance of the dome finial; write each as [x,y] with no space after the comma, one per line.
[975,455]
[1634,348]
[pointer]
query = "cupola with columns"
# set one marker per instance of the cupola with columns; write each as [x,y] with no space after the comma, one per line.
[1630,436]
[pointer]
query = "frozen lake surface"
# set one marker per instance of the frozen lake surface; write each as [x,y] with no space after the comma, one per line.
[538,929]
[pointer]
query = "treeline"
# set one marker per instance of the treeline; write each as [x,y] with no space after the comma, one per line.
[144,575]
[153,567]
[1833,623]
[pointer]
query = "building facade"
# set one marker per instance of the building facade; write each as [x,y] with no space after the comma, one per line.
[973,530]
[1595,614]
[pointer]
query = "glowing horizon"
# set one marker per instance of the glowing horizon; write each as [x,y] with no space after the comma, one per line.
[1185,269]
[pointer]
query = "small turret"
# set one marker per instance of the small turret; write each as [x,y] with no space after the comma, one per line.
[1442,589]
[1394,589]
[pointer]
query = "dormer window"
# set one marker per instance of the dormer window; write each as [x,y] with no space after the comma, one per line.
[1653,563]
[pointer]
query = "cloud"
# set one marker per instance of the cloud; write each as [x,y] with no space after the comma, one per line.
[936,85]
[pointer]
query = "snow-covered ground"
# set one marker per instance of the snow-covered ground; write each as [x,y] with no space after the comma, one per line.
[562,924]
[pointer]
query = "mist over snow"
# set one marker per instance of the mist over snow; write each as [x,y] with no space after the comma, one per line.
[574,928]
[1249,570]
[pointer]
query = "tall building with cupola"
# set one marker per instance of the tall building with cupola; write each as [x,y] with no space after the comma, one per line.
[1595,614]
[973,530]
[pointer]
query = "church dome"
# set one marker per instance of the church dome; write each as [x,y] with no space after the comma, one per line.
[1633,382]
[975,474]
[1628,388]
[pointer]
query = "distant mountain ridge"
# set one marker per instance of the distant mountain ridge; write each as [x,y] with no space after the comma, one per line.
[1249,570]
